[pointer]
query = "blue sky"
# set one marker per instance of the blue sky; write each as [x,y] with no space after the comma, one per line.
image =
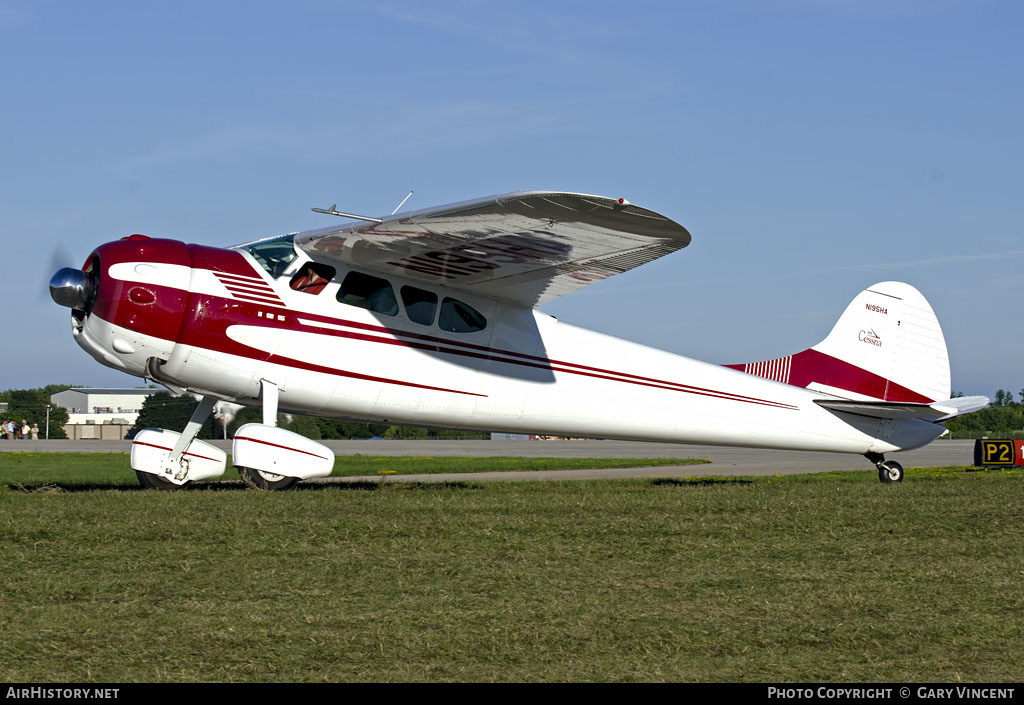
[811,147]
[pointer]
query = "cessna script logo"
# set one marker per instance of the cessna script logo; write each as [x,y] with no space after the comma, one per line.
[870,337]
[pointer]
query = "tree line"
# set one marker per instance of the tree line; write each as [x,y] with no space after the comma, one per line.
[162,410]
[1004,418]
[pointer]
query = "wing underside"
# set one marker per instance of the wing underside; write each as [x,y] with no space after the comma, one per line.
[527,247]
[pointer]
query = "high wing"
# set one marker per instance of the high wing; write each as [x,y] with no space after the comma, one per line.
[527,247]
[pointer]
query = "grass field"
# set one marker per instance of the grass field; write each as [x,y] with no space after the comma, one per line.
[832,577]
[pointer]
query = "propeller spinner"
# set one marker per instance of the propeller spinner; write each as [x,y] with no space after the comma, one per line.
[72,288]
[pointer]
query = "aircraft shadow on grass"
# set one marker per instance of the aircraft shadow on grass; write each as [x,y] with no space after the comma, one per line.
[698,481]
[45,488]
[355,485]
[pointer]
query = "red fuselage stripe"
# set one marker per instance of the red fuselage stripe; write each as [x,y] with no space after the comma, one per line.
[552,366]
[545,363]
[275,445]
[810,366]
[291,362]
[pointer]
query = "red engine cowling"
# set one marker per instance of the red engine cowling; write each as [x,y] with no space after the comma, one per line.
[136,301]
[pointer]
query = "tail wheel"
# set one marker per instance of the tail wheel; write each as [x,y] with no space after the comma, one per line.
[890,471]
[263,480]
[154,482]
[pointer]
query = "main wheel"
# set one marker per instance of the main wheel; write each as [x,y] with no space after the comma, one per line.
[890,471]
[154,482]
[263,480]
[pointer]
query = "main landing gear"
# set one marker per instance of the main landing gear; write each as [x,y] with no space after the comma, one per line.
[267,457]
[888,470]
[165,460]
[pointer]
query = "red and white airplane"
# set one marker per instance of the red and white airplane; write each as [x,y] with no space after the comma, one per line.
[428,318]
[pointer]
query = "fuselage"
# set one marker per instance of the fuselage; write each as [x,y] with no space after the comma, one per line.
[220,321]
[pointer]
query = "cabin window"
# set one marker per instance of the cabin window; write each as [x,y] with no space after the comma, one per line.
[372,293]
[419,304]
[273,255]
[312,277]
[458,317]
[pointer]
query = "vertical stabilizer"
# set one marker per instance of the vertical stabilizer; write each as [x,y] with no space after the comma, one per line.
[887,345]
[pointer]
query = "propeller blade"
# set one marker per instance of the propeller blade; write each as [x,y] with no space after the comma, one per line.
[60,257]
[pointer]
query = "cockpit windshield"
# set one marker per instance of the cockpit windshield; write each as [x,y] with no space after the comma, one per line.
[274,255]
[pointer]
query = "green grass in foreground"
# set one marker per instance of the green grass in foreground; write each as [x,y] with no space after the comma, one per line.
[800,578]
[111,470]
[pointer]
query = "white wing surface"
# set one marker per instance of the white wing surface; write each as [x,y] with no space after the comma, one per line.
[528,247]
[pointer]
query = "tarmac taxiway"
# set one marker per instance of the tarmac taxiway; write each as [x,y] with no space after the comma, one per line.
[724,461]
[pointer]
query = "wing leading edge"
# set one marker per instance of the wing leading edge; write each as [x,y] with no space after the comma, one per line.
[528,247]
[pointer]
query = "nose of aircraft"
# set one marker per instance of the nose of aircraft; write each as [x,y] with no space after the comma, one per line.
[72,288]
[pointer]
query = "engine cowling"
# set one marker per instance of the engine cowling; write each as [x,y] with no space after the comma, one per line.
[128,301]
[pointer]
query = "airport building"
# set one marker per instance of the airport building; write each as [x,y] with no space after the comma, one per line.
[101,412]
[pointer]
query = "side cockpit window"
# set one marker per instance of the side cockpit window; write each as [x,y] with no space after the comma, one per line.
[312,277]
[372,293]
[458,317]
[419,304]
[377,295]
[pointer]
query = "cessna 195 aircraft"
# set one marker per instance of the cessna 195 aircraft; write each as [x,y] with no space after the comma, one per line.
[428,318]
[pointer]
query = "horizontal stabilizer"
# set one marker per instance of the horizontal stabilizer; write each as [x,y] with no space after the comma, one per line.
[961,405]
[937,411]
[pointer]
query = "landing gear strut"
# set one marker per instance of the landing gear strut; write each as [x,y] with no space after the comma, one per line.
[272,458]
[268,457]
[263,479]
[888,470]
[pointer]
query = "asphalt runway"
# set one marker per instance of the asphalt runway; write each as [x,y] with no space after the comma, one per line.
[724,461]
